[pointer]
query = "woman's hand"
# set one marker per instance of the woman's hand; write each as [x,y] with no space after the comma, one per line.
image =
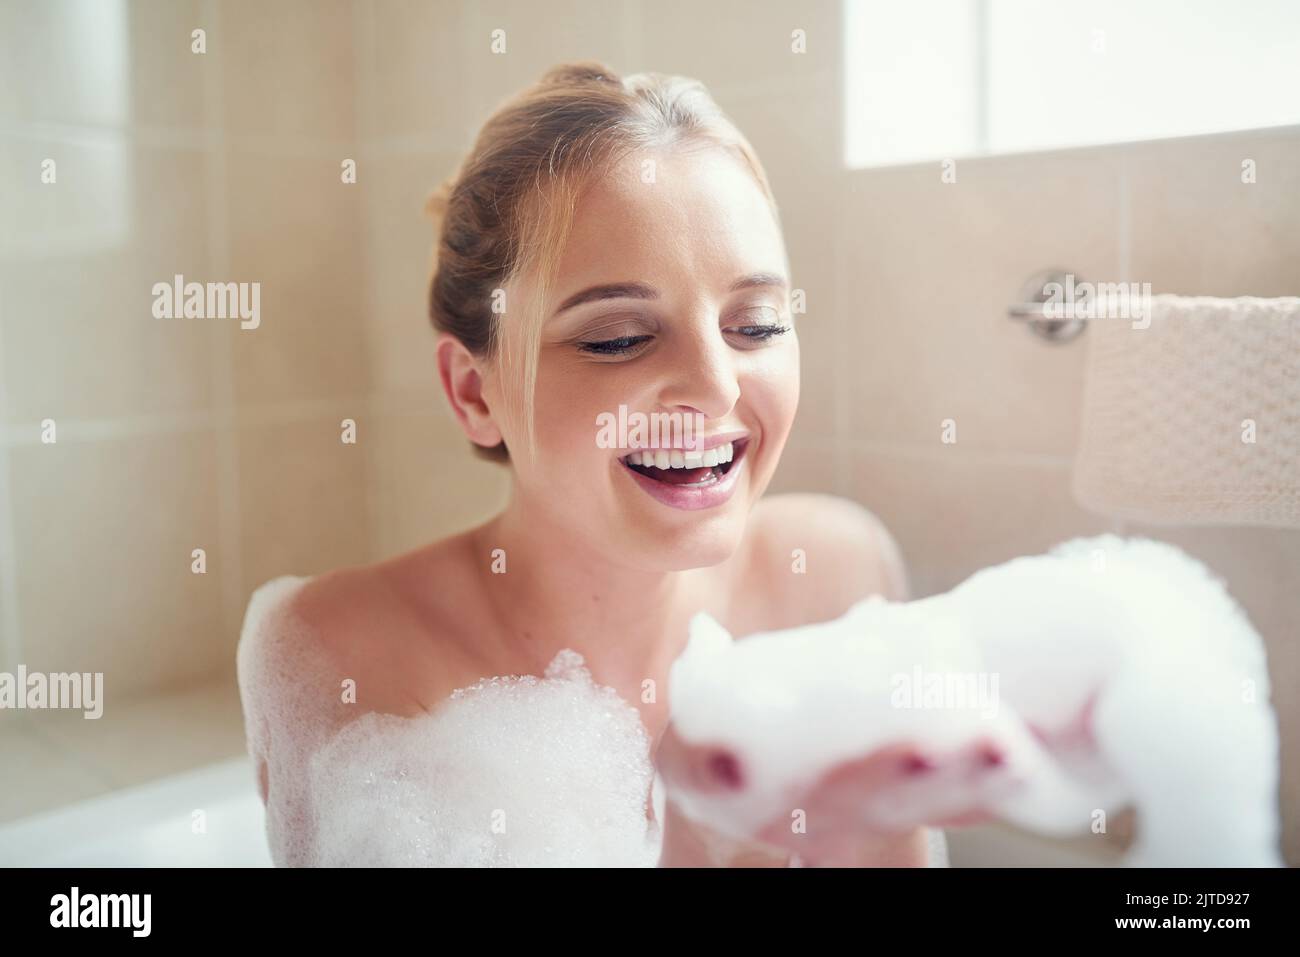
[835,843]
[687,843]
[824,826]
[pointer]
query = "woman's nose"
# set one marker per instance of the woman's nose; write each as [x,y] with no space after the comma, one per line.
[702,378]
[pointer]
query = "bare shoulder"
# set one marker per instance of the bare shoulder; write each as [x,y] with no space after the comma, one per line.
[296,654]
[822,554]
[369,629]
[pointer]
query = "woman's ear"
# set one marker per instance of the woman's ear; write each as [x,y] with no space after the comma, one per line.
[462,381]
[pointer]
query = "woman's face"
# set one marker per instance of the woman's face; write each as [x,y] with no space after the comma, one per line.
[701,327]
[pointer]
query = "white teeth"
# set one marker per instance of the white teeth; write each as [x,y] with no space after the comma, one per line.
[677,459]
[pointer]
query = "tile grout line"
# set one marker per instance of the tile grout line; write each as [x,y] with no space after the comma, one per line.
[915,451]
[12,649]
[1123,222]
[839,388]
[1124,253]
[251,417]
[182,138]
[372,466]
[229,529]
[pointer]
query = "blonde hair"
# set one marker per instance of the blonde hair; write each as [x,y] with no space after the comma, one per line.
[507,212]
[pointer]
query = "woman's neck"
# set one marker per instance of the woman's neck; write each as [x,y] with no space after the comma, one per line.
[550,590]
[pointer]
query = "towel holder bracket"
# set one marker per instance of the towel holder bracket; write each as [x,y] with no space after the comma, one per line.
[1033,296]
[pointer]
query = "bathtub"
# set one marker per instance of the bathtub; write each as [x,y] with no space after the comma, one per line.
[150,825]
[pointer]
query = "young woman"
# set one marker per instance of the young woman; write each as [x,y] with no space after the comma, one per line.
[609,242]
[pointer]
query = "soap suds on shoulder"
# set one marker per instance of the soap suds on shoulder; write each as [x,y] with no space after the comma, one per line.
[510,771]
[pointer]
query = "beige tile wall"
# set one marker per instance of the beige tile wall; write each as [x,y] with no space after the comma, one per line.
[180,434]
[227,165]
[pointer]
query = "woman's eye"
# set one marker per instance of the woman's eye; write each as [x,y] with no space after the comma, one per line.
[763,332]
[759,323]
[613,347]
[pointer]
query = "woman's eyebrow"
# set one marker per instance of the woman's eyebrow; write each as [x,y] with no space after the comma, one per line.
[639,290]
[618,290]
[759,279]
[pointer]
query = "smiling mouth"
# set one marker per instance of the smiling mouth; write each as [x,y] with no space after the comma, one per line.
[687,469]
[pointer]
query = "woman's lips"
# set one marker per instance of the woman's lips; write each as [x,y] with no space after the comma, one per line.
[692,496]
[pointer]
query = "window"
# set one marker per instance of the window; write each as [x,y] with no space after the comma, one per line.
[937,79]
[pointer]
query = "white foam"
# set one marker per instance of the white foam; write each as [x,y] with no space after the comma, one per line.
[512,771]
[289,708]
[1182,725]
